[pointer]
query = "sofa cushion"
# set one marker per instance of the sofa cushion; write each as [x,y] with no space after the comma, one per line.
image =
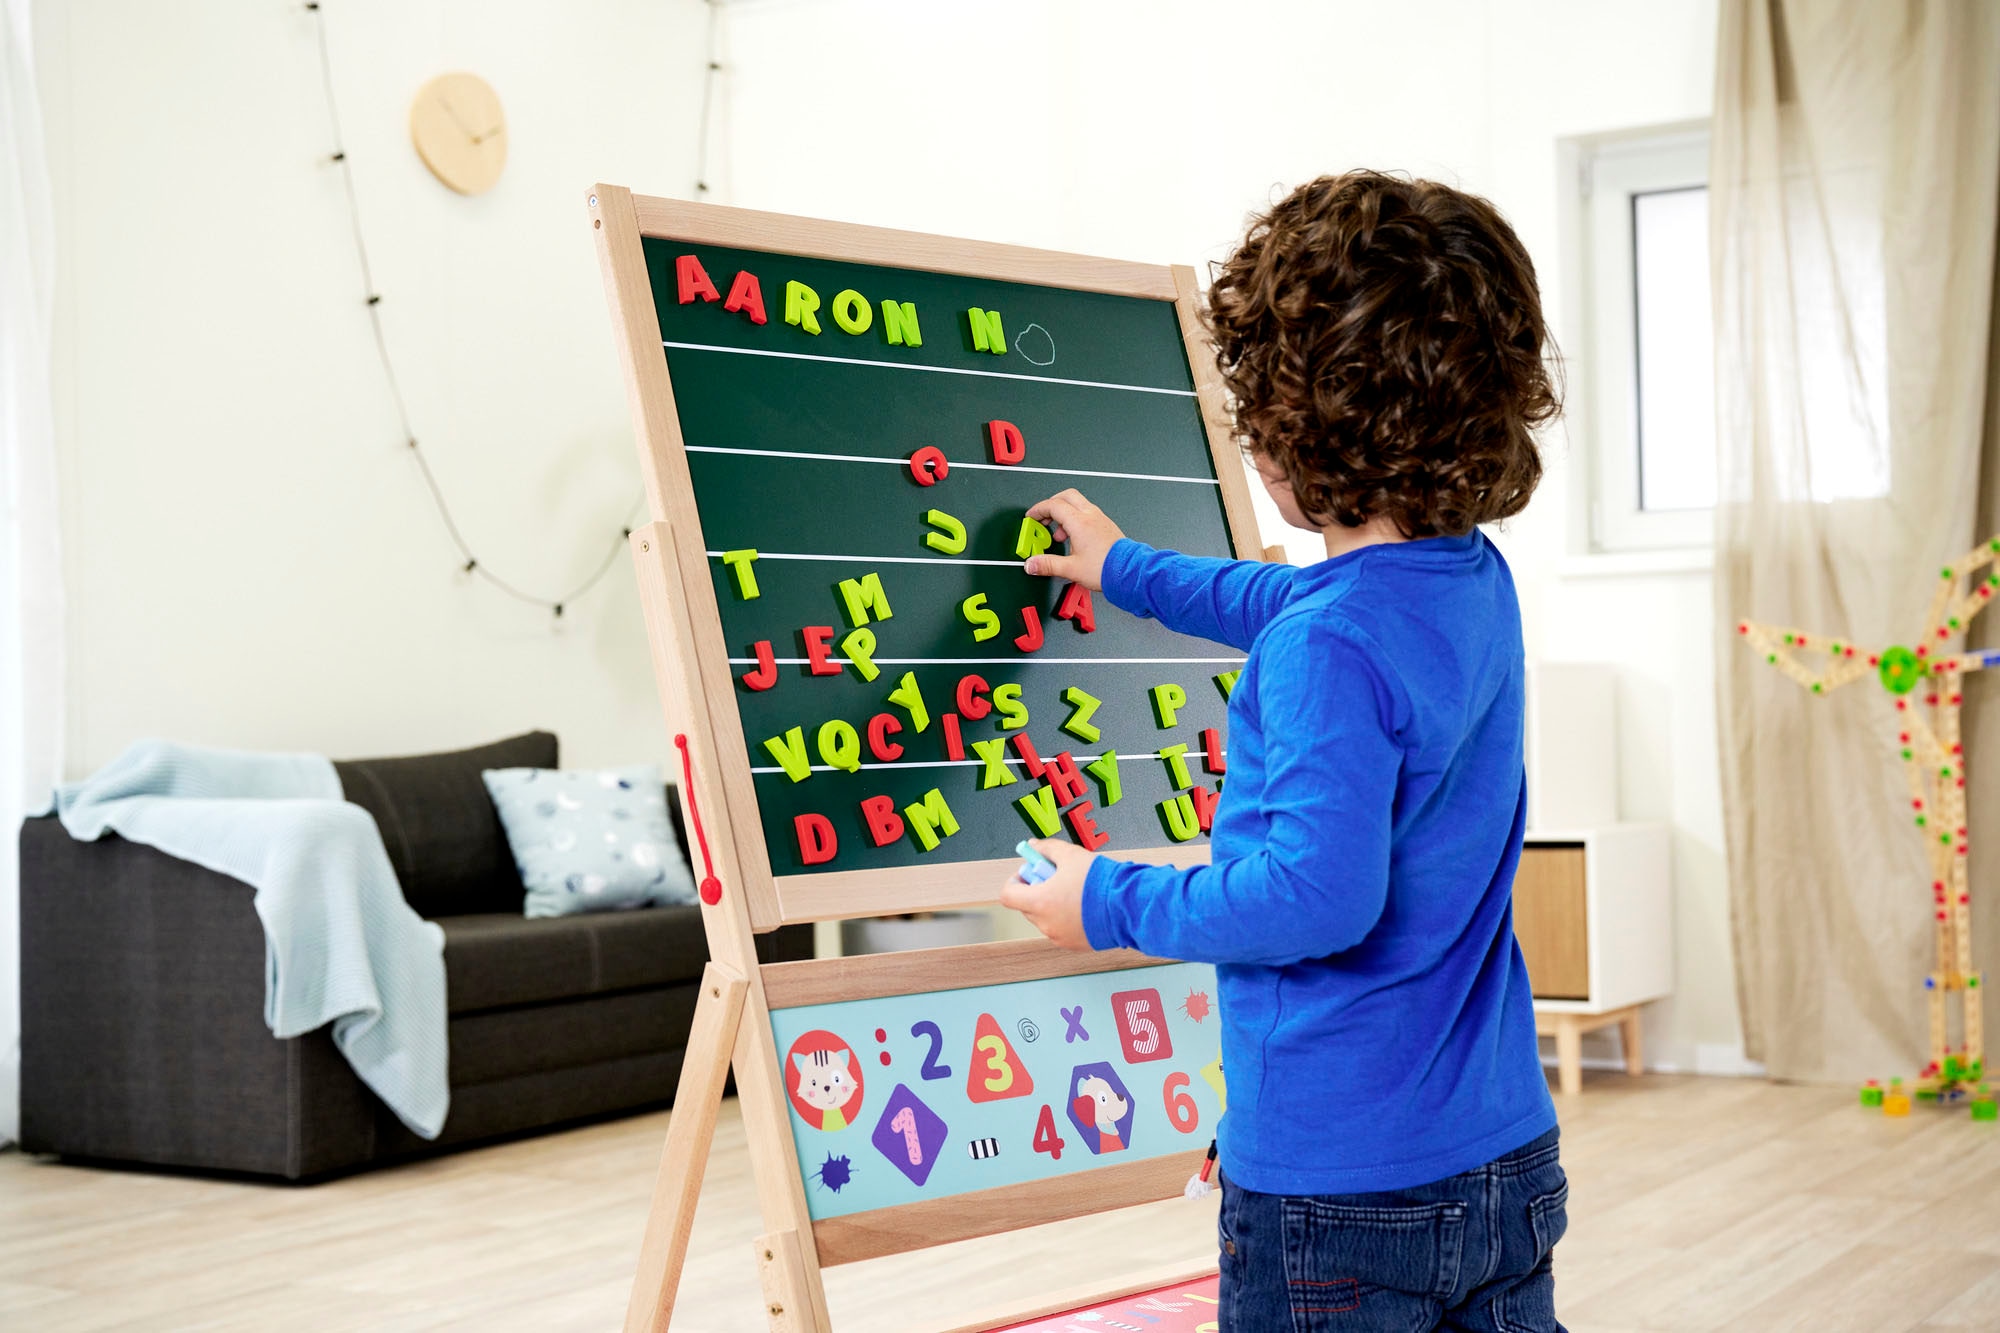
[494,960]
[535,1038]
[438,823]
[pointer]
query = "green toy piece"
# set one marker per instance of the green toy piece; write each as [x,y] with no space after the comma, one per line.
[994,754]
[910,696]
[1105,769]
[1900,669]
[1871,1095]
[1177,813]
[1168,700]
[985,625]
[741,563]
[1226,682]
[1035,538]
[949,538]
[1039,806]
[899,324]
[800,303]
[1078,723]
[987,335]
[864,598]
[858,647]
[852,312]
[790,752]
[1177,771]
[1984,1108]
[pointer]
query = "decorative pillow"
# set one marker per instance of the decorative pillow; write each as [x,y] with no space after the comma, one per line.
[590,841]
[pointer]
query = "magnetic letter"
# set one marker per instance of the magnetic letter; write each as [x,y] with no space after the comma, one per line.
[1178,813]
[880,728]
[911,696]
[987,335]
[1075,607]
[950,535]
[744,564]
[746,295]
[899,324]
[790,752]
[1064,780]
[1177,772]
[817,842]
[1039,806]
[985,625]
[996,773]
[800,303]
[1013,713]
[1034,538]
[930,818]
[1168,700]
[1004,438]
[1105,769]
[864,597]
[969,702]
[1227,682]
[1030,759]
[840,746]
[1204,802]
[1212,757]
[1082,705]
[1031,639]
[817,638]
[1088,836]
[858,647]
[852,312]
[766,674]
[693,280]
[954,742]
[928,465]
[884,824]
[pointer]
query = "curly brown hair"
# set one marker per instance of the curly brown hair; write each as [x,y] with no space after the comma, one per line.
[1383,340]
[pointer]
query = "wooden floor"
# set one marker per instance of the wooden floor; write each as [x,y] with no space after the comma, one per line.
[1695,1204]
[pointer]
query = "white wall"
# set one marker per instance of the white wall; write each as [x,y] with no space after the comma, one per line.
[252,561]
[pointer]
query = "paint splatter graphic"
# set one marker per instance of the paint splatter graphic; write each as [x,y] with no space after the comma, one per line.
[835,1172]
[1195,1006]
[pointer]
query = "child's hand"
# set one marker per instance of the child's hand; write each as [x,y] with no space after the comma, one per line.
[1055,906]
[1090,535]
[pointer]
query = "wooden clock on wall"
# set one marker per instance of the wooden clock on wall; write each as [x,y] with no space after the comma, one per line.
[460,131]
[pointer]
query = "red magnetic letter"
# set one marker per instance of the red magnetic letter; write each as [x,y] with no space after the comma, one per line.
[1212,757]
[1088,835]
[928,465]
[746,295]
[884,824]
[1204,802]
[880,728]
[1063,778]
[1005,438]
[694,280]
[766,674]
[817,842]
[1029,757]
[817,638]
[954,744]
[1031,640]
[969,702]
[1075,607]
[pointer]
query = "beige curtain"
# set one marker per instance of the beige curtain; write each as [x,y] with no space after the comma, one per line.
[1854,180]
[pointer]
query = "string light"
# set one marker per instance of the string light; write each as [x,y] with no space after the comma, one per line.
[473,566]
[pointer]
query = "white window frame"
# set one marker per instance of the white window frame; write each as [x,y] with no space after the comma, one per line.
[1600,174]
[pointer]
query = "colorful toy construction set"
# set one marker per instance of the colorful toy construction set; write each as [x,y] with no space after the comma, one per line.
[1927,683]
[841,431]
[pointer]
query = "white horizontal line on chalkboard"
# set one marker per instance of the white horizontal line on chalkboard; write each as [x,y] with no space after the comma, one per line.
[996,661]
[975,763]
[983,467]
[877,559]
[939,370]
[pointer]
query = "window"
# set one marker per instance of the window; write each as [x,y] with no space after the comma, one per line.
[1641,358]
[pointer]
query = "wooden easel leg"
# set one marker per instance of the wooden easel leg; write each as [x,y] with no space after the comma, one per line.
[1633,1040]
[690,1131]
[1569,1054]
[788,1300]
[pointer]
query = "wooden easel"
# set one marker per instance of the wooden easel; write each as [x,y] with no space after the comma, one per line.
[742,896]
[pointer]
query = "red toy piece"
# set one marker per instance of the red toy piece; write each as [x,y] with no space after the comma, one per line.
[970,688]
[880,728]
[1005,439]
[766,674]
[1076,608]
[817,841]
[928,465]
[817,638]
[1029,755]
[954,743]
[1084,829]
[693,280]
[1212,757]
[745,295]
[884,824]
[1032,639]
[1204,802]
[1064,779]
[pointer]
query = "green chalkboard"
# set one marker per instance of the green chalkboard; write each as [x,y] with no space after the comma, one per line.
[798,446]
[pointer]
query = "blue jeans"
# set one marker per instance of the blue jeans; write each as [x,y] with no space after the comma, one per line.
[1470,1252]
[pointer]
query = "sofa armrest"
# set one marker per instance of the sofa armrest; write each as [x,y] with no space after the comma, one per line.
[142,1021]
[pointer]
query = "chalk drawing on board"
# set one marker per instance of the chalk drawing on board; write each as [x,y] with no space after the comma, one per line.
[1036,350]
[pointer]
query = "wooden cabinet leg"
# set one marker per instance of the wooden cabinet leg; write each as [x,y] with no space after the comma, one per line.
[1569,1055]
[1633,1040]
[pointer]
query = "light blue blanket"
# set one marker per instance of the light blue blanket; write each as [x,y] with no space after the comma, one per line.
[340,944]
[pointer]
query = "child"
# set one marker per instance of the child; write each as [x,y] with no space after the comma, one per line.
[1389,1159]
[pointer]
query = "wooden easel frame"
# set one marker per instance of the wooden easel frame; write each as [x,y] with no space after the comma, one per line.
[732,1022]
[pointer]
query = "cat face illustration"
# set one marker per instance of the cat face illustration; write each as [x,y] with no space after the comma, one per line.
[823,1079]
[1111,1108]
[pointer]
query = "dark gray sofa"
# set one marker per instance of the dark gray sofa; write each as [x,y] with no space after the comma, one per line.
[142,994]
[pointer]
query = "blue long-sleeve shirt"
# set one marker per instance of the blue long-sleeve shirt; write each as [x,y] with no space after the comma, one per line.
[1377,1028]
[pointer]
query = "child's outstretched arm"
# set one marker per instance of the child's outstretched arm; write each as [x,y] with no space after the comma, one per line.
[1228,601]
